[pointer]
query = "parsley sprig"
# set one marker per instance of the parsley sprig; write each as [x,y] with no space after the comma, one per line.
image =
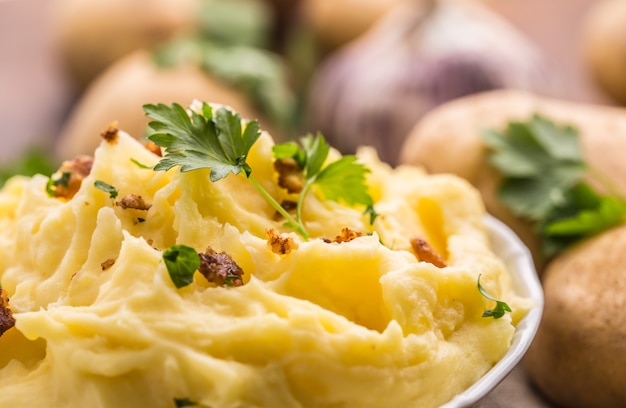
[545,181]
[217,139]
[213,139]
[501,307]
[341,180]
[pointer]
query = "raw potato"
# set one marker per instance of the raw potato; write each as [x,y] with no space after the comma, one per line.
[604,46]
[91,35]
[578,357]
[336,22]
[121,91]
[448,139]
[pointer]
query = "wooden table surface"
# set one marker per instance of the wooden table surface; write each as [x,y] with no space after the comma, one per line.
[35,96]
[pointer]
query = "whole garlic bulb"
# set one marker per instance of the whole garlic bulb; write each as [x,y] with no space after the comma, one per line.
[423,53]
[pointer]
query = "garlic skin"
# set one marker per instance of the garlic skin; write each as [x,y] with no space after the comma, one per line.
[375,89]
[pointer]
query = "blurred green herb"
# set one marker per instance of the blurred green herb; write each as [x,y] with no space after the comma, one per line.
[33,162]
[545,181]
[236,22]
[232,44]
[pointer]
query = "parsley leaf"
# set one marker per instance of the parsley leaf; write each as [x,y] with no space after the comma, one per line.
[213,139]
[107,188]
[341,180]
[139,164]
[585,213]
[539,161]
[501,307]
[543,172]
[182,262]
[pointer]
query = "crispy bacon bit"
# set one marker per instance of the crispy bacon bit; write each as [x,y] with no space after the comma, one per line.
[288,205]
[153,147]
[133,201]
[427,253]
[6,316]
[281,245]
[290,175]
[107,264]
[347,235]
[71,176]
[110,134]
[220,268]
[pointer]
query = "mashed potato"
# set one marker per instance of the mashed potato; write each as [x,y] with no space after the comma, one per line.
[363,323]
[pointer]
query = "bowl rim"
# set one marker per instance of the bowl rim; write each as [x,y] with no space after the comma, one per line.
[525,280]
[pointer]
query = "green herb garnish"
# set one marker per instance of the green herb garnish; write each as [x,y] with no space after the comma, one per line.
[341,180]
[232,43]
[182,262]
[501,307]
[139,164]
[107,188]
[211,139]
[217,140]
[36,161]
[544,180]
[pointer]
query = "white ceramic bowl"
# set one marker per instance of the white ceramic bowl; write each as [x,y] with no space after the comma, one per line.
[525,282]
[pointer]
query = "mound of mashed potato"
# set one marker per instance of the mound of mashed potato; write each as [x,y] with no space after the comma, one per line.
[358,323]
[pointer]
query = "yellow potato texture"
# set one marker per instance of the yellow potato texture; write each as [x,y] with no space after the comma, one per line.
[355,324]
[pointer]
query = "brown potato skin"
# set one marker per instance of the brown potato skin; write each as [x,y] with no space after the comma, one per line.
[448,139]
[604,46]
[578,357]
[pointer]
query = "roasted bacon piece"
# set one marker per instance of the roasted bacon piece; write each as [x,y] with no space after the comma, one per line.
[71,175]
[107,264]
[281,245]
[346,235]
[133,201]
[426,253]
[220,268]
[150,145]
[6,316]
[290,175]
[110,134]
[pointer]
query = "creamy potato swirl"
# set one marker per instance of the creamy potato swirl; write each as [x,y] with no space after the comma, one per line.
[363,323]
